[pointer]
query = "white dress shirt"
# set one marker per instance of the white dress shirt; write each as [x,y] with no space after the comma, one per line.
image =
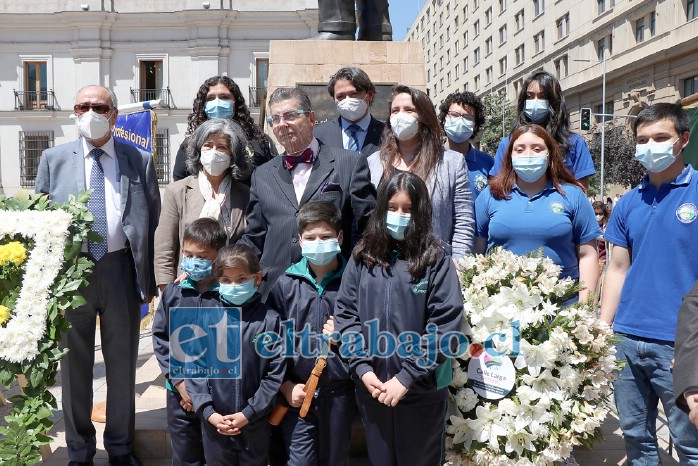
[116,238]
[301,172]
[363,123]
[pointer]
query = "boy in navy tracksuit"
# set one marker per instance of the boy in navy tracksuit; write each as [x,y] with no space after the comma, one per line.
[306,293]
[234,411]
[201,242]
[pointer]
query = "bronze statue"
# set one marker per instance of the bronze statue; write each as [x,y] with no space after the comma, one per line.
[338,20]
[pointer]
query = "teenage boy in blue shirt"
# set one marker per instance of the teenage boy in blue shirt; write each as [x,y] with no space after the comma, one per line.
[201,241]
[654,263]
[306,294]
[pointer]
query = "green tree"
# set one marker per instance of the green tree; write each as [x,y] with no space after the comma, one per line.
[491,132]
[620,166]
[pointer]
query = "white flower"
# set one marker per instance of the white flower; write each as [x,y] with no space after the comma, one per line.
[466,400]
[518,441]
[460,377]
[486,427]
[460,429]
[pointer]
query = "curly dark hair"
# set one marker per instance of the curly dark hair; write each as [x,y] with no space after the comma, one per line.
[241,116]
[462,99]
[558,122]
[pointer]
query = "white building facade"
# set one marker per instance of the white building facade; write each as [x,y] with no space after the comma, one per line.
[483,46]
[142,50]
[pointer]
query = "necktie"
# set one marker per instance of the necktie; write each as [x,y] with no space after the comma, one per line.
[292,160]
[97,206]
[353,139]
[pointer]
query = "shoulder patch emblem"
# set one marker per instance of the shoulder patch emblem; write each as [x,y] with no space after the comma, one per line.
[557,207]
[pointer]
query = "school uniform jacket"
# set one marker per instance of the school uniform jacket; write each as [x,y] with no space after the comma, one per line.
[399,303]
[295,296]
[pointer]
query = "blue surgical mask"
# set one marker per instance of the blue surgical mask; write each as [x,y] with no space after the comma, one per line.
[197,268]
[459,129]
[237,294]
[537,110]
[530,168]
[218,108]
[655,156]
[397,223]
[320,252]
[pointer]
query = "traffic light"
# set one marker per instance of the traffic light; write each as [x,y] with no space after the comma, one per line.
[585,121]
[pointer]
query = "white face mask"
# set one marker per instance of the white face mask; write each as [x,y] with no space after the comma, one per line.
[352,109]
[93,126]
[214,162]
[404,126]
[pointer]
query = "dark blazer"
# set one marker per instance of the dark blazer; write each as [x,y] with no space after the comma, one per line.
[686,348]
[62,173]
[330,133]
[338,176]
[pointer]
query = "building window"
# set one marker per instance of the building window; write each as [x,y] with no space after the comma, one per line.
[441,19]
[162,158]
[488,75]
[448,55]
[448,78]
[538,7]
[502,5]
[448,33]
[465,39]
[441,40]
[519,18]
[563,26]
[477,82]
[476,4]
[441,62]
[502,34]
[603,44]
[488,46]
[690,86]
[457,70]
[465,12]
[465,87]
[465,64]
[35,86]
[561,67]
[539,42]
[441,84]
[601,6]
[598,109]
[31,145]
[488,16]
[428,75]
[448,10]
[518,85]
[476,28]
[457,47]
[640,30]
[519,52]
[653,23]
[476,55]
[455,22]
[502,66]
[151,79]
[691,10]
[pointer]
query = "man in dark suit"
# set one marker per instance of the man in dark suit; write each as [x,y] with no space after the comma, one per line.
[125,202]
[686,367]
[354,129]
[308,170]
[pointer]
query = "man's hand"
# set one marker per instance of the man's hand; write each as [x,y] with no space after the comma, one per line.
[328,330]
[294,393]
[237,422]
[185,402]
[220,423]
[374,386]
[692,400]
[394,391]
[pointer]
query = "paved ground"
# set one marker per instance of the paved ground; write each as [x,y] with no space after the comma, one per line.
[152,444]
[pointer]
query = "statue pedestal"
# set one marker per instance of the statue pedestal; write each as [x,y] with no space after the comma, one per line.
[310,64]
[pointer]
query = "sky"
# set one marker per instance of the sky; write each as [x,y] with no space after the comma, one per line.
[402,14]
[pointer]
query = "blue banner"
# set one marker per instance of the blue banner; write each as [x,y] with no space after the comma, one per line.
[135,129]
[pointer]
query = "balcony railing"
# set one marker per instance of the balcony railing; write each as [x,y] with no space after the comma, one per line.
[34,100]
[140,95]
[257,97]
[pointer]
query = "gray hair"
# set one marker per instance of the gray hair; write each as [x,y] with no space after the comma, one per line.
[114,102]
[288,93]
[240,164]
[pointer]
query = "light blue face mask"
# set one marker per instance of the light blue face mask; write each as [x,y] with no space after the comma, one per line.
[656,156]
[530,168]
[397,224]
[537,110]
[218,108]
[237,294]
[320,252]
[196,268]
[458,129]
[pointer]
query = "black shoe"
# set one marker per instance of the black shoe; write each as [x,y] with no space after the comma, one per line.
[125,460]
[81,463]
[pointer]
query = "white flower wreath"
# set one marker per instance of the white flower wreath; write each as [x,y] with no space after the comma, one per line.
[48,230]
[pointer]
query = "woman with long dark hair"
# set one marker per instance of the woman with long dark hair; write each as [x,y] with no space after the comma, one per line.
[535,203]
[542,102]
[412,142]
[220,97]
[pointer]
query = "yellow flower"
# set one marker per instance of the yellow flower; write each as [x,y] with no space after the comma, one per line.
[13,252]
[4,314]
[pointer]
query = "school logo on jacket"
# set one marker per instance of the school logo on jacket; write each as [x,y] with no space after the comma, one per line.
[687,213]
[557,207]
[480,182]
[421,287]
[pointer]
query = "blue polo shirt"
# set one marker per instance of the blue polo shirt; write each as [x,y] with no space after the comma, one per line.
[558,223]
[578,160]
[479,164]
[659,228]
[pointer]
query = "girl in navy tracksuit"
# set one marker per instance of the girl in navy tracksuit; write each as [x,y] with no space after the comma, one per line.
[399,281]
[234,411]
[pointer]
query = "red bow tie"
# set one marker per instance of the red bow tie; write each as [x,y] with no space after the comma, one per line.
[292,160]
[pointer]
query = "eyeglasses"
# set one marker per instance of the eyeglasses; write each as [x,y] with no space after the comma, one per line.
[102,109]
[288,117]
[459,115]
